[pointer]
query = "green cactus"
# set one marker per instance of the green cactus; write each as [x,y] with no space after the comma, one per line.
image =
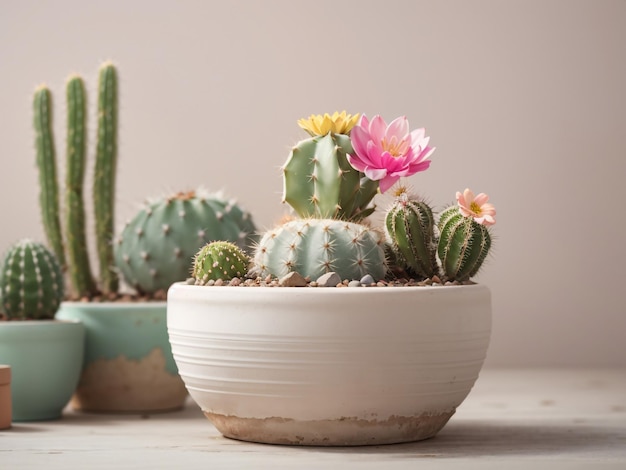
[313,247]
[219,260]
[46,162]
[411,231]
[78,257]
[319,182]
[104,178]
[77,260]
[463,245]
[154,249]
[31,282]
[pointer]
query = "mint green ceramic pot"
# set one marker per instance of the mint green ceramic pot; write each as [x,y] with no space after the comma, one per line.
[128,359]
[45,358]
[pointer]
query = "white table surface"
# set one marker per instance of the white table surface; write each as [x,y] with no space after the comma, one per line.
[512,419]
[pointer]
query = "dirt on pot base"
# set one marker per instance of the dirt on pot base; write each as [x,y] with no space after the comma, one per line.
[123,385]
[332,432]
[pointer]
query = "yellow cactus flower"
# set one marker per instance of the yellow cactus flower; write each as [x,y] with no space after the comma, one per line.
[338,123]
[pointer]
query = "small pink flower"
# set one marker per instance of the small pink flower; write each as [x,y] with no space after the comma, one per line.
[386,153]
[477,207]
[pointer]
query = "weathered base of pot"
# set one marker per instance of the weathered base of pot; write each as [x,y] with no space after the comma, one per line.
[337,432]
[124,385]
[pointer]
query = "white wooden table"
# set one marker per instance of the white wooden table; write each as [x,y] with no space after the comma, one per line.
[513,419]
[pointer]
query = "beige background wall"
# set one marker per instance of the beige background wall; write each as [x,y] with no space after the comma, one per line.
[525,100]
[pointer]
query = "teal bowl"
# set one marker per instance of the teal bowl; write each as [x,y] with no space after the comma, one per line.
[46,357]
[128,363]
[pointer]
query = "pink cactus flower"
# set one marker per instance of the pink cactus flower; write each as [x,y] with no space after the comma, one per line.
[385,153]
[477,207]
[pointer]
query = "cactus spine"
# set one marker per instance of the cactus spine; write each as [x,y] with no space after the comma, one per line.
[77,260]
[78,257]
[320,182]
[46,162]
[31,282]
[463,245]
[313,247]
[410,227]
[219,260]
[104,178]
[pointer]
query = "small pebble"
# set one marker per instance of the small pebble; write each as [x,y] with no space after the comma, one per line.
[190,281]
[293,279]
[235,281]
[436,279]
[210,282]
[354,284]
[367,280]
[328,280]
[381,284]
[219,282]
[312,284]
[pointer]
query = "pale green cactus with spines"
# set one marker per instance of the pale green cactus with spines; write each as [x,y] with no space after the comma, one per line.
[31,282]
[154,248]
[76,259]
[410,227]
[313,247]
[318,179]
[219,260]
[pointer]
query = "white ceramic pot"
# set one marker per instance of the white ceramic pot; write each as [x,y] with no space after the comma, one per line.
[329,366]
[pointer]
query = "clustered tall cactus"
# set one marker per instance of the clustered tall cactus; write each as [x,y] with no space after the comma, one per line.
[154,248]
[31,282]
[77,261]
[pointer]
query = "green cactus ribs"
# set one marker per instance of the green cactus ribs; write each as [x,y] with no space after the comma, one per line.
[31,282]
[463,245]
[313,247]
[320,182]
[155,248]
[410,228]
[219,260]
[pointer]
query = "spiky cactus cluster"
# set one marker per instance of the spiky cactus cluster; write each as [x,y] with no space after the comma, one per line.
[155,247]
[313,247]
[462,245]
[219,260]
[72,253]
[31,282]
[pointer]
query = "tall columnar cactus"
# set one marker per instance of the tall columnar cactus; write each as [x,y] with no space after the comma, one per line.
[411,231]
[318,179]
[46,162]
[104,178]
[77,261]
[31,282]
[219,260]
[77,251]
[154,249]
[313,247]
[463,244]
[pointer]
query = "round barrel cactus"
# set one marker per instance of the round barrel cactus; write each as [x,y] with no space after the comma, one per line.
[219,260]
[463,245]
[156,247]
[31,282]
[312,247]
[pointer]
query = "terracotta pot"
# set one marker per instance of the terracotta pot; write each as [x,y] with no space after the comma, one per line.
[128,360]
[45,358]
[5,396]
[329,366]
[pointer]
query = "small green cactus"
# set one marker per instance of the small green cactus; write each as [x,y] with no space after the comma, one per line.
[411,231]
[313,247]
[463,245]
[77,261]
[318,179]
[154,249]
[31,282]
[219,260]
